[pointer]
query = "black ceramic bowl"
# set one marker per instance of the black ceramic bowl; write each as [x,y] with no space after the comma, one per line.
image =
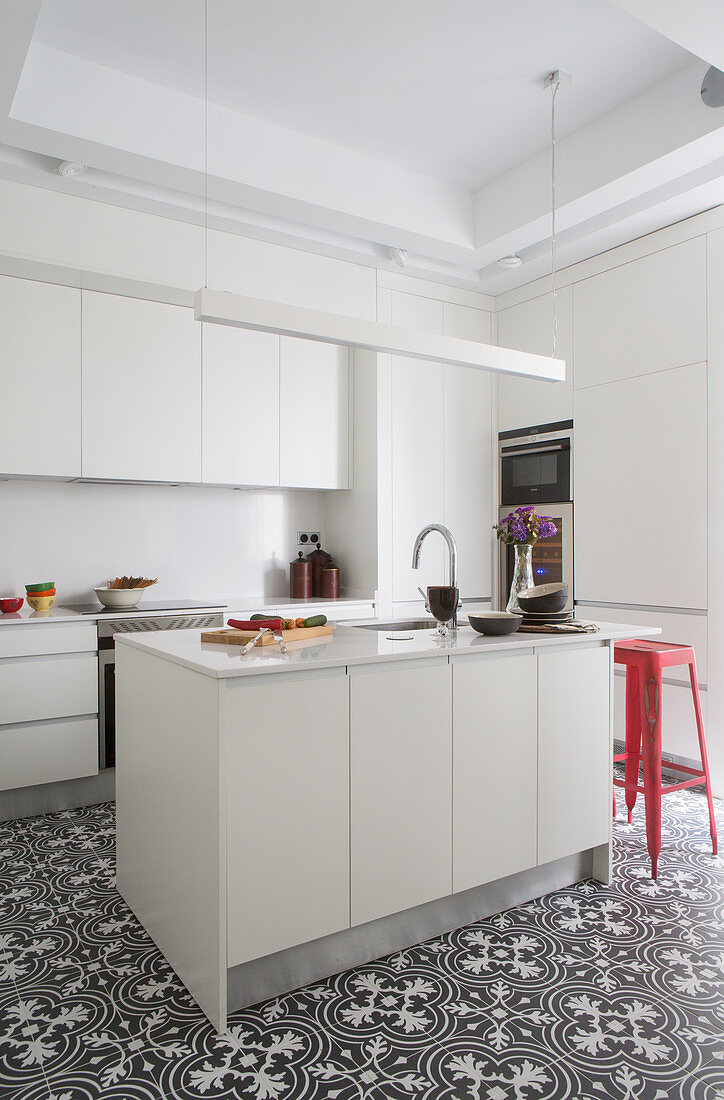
[495,622]
[543,597]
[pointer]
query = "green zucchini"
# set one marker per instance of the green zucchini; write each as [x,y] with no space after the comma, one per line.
[316,620]
[266,615]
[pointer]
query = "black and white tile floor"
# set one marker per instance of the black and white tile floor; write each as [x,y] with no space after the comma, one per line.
[611,992]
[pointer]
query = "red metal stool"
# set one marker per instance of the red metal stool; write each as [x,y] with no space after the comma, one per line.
[644,661]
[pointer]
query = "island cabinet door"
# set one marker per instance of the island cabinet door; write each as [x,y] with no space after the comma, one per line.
[495,767]
[401,780]
[574,751]
[287,810]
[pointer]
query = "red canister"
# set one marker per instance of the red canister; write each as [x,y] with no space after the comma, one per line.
[319,560]
[300,578]
[330,582]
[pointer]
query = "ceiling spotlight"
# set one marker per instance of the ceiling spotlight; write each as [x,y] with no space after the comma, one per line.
[511,261]
[71,168]
[399,255]
[712,87]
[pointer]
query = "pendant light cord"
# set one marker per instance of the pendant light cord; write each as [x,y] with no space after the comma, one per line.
[555,85]
[206,143]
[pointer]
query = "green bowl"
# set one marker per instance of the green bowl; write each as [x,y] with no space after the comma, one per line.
[39,587]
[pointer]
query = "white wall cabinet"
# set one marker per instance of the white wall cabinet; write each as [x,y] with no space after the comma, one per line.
[574,751]
[494,733]
[529,327]
[240,407]
[314,415]
[641,490]
[40,379]
[642,317]
[401,788]
[141,390]
[287,813]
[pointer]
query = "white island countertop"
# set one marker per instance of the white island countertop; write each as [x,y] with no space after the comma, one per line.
[350,645]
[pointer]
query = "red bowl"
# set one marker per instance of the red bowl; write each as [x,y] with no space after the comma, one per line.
[11,604]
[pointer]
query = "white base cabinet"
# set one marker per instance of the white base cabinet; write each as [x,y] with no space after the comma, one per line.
[304,811]
[575,751]
[48,703]
[495,768]
[287,814]
[401,788]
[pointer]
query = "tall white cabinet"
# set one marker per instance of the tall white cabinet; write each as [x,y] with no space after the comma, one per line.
[441,453]
[40,384]
[141,390]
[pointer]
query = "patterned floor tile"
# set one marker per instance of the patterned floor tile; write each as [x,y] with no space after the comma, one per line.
[626,1082]
[466,1067]
[592,991]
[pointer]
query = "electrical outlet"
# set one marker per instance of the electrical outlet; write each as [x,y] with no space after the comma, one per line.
[308,538]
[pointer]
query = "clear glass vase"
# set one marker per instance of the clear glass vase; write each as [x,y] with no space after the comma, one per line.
[522,575]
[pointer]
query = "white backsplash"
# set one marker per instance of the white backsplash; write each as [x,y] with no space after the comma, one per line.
[200,542]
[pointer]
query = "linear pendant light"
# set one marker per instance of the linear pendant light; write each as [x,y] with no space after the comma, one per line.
[219,307]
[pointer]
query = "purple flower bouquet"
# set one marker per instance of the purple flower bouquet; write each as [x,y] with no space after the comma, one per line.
[525,526]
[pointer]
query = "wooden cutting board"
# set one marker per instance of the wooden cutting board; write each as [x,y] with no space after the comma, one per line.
[231,636]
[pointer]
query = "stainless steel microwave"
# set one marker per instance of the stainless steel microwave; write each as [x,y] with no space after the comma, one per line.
[536,464]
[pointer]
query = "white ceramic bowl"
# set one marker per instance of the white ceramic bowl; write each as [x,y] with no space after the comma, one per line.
[119,598]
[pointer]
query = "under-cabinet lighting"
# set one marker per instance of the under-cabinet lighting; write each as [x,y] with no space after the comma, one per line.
[237,311]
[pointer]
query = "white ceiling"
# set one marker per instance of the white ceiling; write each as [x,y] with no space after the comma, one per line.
[343,126]
[452,90]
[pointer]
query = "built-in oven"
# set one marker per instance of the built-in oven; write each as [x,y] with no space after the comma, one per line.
[536,467]
[107,666]
[536,464]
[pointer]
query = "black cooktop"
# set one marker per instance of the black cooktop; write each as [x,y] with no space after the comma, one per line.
[143,607]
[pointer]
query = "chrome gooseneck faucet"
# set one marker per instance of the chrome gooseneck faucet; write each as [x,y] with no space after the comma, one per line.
[452,554]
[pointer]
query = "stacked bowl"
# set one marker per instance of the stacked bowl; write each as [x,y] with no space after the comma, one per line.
[545,605]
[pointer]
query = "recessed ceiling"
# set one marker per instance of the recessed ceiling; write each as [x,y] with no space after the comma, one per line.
[452,90]
[348,127]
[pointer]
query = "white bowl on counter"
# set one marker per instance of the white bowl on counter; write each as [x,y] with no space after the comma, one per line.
[119,599]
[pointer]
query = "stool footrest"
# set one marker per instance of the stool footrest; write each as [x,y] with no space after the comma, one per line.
[698,780]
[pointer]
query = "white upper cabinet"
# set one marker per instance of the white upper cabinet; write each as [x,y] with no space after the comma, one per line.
[641,490]
[240,418]
[141,390]
[313,415]
[40,379]
[529,327]
[643,316]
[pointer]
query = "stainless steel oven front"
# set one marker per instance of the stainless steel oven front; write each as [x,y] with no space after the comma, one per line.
[107,667]
[536,464]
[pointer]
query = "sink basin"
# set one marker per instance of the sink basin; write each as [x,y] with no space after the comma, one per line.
[403,624]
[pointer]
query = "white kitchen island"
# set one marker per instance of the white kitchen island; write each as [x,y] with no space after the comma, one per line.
[283,818]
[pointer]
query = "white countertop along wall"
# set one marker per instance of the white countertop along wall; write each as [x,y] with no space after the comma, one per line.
[236,605]
[348,646]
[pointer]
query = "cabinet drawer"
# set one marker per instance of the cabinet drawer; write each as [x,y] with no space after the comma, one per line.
[35,688]
[48,752]
[31,640]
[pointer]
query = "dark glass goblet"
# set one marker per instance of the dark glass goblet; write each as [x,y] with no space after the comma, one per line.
[442,599]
